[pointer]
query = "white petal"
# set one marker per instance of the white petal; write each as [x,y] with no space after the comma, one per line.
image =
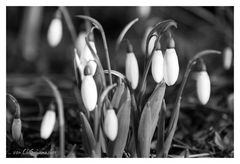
[48,124]
[132,72]
[227,58]
[55,32]
[203,87]
[16,129]
[151,44]
[144,11]
[89,93]
[111,124]
[170,67]
[157,66]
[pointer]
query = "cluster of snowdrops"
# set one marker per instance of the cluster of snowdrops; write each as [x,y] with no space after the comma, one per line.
[115,119]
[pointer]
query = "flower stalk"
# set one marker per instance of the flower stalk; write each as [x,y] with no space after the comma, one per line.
[99,27]
[59,101]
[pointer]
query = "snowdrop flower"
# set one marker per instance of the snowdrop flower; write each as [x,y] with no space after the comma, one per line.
[170,64]
[151,44]
[48,124]
[85,59]
[144,11]
[89,91]
[227,58]
[157,64]
[111,124]
[54,34]
[203,87]
[17,129]
[131,68]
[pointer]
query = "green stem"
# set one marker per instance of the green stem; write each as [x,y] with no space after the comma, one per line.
[70,26]
[59,101]
[124,31]
[97,60]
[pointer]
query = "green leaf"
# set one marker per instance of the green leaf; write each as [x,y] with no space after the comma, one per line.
[123,128]
[117,96]
[144,132]
[88,137]
[155,103]
[161,130]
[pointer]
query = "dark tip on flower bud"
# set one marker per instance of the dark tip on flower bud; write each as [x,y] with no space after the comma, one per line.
[170,43]
[200,65]
[158,46]
[91,37]
[87,70]
[58,14]
[129,47]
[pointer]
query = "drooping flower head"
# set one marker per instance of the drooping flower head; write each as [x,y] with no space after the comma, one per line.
[48,122]
[89,90]
[144,11]
[157,64]
[227,58]
[203,84]
[55,30]
[170,63]
[111,124]
[131,67]
[86,58]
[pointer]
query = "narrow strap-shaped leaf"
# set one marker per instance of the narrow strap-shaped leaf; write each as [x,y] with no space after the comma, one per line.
[123,128]
[144,132]
[88,137]
[161,130]
[155,102]
[171,130]
[117,96]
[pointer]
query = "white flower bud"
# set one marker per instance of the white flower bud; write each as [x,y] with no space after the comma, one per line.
[170,66]
[144,11]
[157,66]
[131,70]
[227,58]
[48,123]
[54,35]
[203,87]
[89,92]
[111,124]
[151,44]
[16,129]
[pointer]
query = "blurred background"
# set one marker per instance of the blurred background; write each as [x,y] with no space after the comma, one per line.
[29,56]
